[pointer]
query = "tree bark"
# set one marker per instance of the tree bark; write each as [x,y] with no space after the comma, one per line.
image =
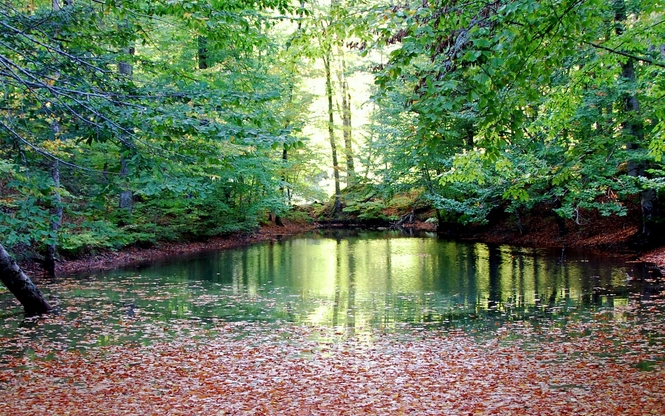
[331,131]
[203,52]
[126,195]
[56,222]
[633,127]
[346,126]
[56,211]
[32,299]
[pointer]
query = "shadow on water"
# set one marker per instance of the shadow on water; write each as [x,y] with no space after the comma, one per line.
[358,278]
[350,282]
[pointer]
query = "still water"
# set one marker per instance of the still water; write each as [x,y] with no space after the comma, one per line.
[369,279]
[347,282]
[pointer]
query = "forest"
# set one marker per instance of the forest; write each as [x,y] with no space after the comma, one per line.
[134,125]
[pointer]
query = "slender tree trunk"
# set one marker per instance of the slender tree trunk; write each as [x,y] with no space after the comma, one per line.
[56,222]
[285,189]
[56,211]
[345,113]
[203,52]
[346,122]
[32,299]
[331,131]
[126,194]
[126,201]
[634,130]
[125,68]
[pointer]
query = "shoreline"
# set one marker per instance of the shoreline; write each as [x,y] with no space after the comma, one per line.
[127,256]
[108,260]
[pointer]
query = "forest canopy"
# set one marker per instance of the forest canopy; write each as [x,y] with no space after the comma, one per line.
[133,122]
[522,103]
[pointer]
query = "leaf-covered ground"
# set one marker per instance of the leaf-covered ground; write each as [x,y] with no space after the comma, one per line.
[612,364]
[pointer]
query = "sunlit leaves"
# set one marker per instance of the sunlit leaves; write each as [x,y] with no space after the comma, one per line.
[183,135]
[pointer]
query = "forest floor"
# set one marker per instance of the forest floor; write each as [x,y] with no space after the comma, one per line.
[285,371]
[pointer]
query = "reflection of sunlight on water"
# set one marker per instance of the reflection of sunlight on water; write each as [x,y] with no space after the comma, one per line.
[320,315]
[367,279]
[350,284]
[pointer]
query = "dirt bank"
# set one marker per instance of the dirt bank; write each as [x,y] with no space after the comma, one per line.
[610,236]
[111,259]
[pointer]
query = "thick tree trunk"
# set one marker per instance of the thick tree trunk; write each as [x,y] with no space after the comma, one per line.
[633,127]
[21,286]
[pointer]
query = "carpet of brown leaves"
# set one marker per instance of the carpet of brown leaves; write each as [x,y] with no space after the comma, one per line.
[656,256]
[584,368]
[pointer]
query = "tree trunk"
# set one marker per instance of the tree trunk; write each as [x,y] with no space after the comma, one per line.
[633,127]
[56,211]
[203,52]
[21,286]
[346,126]
[126,195]
[56,222]
[331,131]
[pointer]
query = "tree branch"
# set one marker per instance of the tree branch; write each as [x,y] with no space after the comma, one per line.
[46,153]
[627,55]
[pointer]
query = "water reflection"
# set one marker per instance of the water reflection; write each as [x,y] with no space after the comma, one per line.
[369,280]
[349,284]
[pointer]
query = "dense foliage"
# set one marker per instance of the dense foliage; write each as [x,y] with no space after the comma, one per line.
[519,103]
[104,99]
[135,122]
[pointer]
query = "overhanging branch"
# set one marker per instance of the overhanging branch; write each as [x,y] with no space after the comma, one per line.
[627,55]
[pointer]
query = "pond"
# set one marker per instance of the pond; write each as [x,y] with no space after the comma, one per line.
[348,283]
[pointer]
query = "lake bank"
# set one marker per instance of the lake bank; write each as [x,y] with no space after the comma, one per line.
[107,259]
[606,236]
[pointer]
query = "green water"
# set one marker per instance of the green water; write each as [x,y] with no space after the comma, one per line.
[347,283]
